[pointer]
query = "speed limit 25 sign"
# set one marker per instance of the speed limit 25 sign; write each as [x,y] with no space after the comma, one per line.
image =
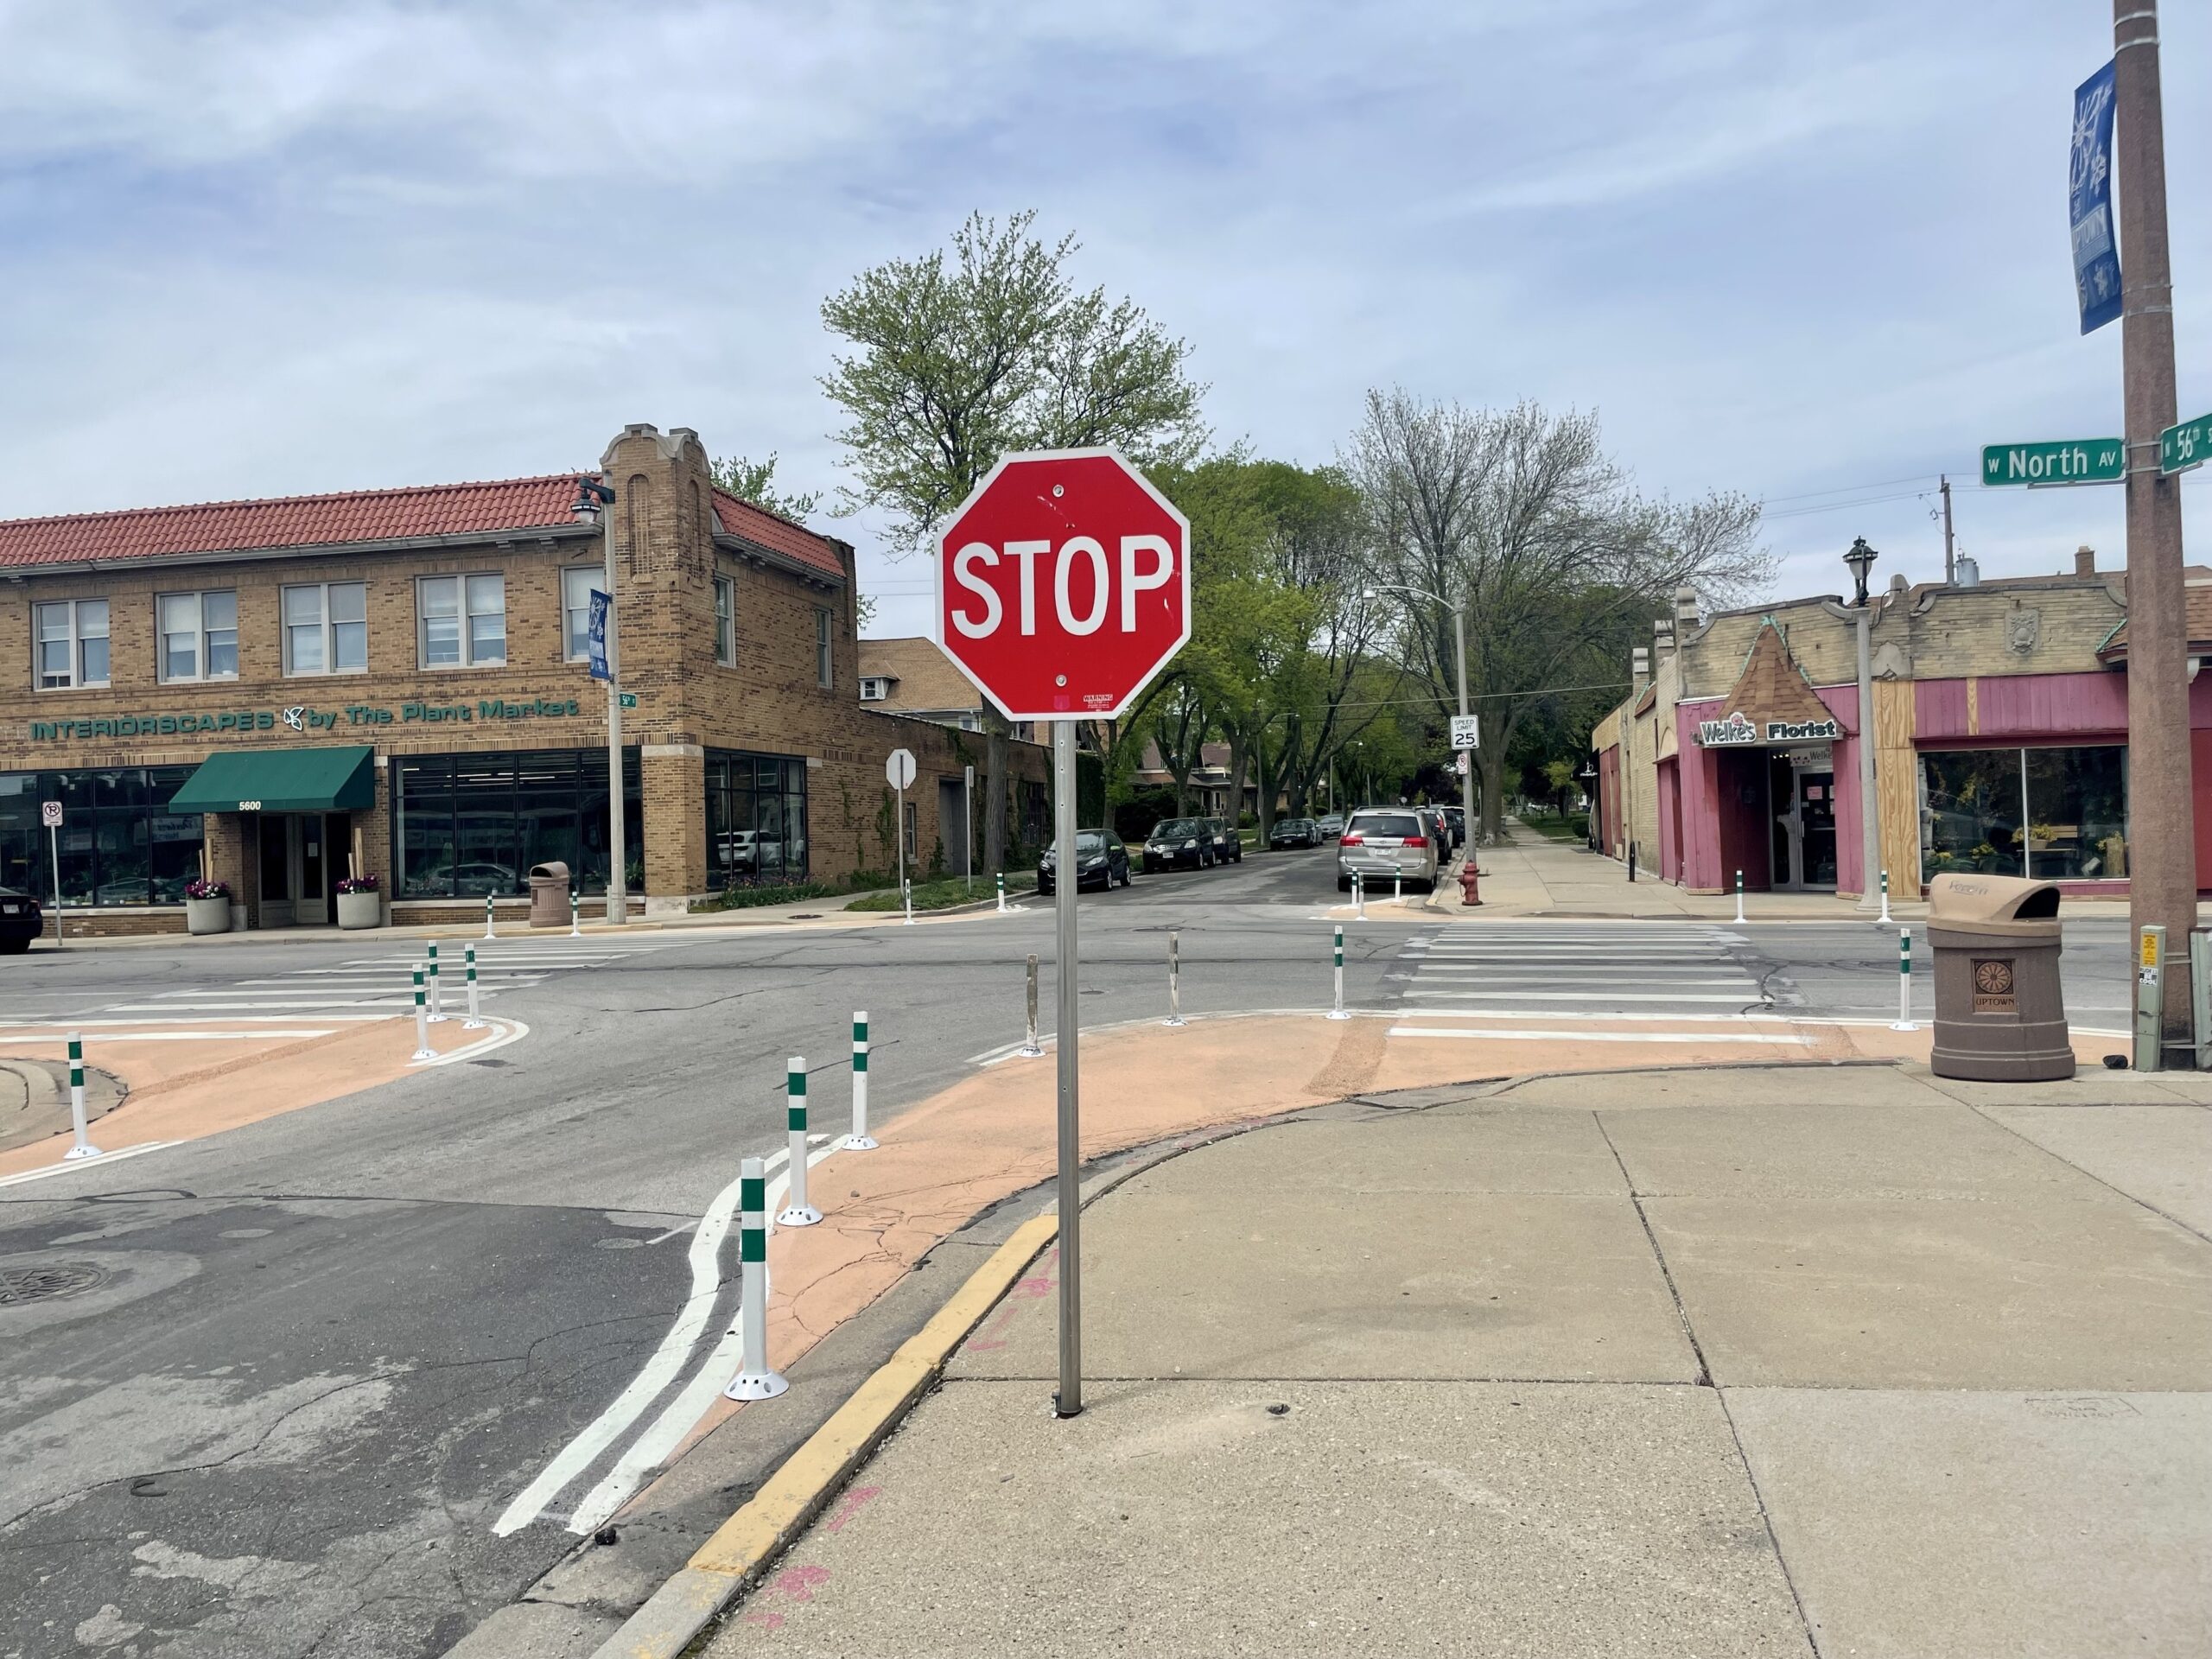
[1063,584]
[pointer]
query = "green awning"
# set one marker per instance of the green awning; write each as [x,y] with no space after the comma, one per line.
[335,779]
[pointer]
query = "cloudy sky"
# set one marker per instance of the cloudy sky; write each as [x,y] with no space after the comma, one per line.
[1816,253]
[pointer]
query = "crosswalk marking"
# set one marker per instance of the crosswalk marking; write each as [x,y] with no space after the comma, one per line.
[1576,983]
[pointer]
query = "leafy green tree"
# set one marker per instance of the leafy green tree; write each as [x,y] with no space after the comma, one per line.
[755,481]
[953,358]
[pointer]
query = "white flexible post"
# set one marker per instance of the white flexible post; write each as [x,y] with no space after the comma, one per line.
[906,893]
[753,1381]
[1338,1011]
[423,1049]
[475,1020]
[1397,889]
[437,995]
[859,1139]
[1739,896]
[797,1212]
[1884,916]
[82,1146]
[487,917]
[1033,1048]
[576,915]
[1001,893]
[1904,981]
[1174,976]
[1358,896]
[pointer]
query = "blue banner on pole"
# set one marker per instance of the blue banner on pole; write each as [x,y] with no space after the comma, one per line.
[2096,254]
[595,635]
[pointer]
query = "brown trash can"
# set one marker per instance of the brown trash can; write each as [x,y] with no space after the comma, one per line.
[548,895]
[2000,1016]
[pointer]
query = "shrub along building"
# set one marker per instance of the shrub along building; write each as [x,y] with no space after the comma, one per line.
[1998,714]
[394,683]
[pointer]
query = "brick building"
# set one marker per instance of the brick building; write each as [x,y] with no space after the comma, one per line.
[912,676]
[394,682]
[1998,727]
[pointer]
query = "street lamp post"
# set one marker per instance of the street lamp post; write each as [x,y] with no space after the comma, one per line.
[592,498]
[1860,560]
[1459,635]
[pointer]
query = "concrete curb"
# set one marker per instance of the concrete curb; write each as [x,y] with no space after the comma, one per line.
[726,1563]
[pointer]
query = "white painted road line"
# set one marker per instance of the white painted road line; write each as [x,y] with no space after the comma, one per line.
[1513,1036]
[1752,996]
[84,1163]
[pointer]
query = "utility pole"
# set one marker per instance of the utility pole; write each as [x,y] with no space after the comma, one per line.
[2162,855]
[1950,555]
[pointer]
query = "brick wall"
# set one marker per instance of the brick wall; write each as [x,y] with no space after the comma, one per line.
[770,699]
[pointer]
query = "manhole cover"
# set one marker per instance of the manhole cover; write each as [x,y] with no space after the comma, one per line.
[48,1280]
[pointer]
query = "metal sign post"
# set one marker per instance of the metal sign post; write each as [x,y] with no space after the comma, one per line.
[898,771]
[968,826]
[1069,1399]
[49,813]
[1063,587]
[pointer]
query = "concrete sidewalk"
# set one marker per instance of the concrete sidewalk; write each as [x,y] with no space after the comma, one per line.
[1806,1360]
[1535,876]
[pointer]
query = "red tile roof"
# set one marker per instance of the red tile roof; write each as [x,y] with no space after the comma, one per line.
[292,521]
[778,534]
[436,509]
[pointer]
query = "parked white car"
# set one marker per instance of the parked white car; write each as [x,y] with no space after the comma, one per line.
[1384,844]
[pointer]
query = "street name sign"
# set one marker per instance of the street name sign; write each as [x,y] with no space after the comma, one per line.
[626,699]
[2068,460]
[1466,731]
[1063,584]
[2185,446]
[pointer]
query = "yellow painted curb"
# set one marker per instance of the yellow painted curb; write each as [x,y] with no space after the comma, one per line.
[790,1497]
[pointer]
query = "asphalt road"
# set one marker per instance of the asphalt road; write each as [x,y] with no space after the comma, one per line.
[275,1392]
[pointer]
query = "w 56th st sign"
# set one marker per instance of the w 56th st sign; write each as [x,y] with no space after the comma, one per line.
[1063,584]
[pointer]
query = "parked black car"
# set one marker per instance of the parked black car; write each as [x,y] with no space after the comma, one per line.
[1295,832]
[21,921]
[1101,860]
[1228,845]
[1455,818]
[1179,843]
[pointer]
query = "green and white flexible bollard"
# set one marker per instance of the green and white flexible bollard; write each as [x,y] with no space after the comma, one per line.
[1398,889]
[797,1212]
[575,925]
[1032,1048]
[1739,896]
[487,917]
[82,1146]
[1338,1012]
[1884,916]
[859,1139]
[1358,896]
[475,1020]
[423,1049]
[753,1381]
[1001,893]
[1174,977]
[437,995]
[1904,1022]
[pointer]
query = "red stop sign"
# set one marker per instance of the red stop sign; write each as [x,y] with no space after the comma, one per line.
[1063,584]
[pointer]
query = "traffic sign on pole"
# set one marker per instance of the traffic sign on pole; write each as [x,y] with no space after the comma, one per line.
[898,771]
[1063,587]
[1466,731]
[2066,461]
[1063,584]
[2186,445]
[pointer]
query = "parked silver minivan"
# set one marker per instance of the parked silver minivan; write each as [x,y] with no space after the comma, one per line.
[1383,842]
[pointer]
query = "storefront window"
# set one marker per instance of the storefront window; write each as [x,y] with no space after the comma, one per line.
[756,819]
[467,825]
[118,846]
[2053,814]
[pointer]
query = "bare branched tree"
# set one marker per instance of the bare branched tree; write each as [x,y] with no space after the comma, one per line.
[1519,515]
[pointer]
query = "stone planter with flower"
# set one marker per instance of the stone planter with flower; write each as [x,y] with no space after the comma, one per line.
[206,908]
[360,904]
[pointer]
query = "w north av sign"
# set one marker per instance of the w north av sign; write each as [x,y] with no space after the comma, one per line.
[1736,732]
[2073,460]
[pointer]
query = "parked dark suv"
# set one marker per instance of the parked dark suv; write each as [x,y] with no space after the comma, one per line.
[1179,843]
[1228,845]
[19,921]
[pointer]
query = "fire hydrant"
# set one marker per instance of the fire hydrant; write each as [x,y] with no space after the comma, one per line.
[1469,893]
